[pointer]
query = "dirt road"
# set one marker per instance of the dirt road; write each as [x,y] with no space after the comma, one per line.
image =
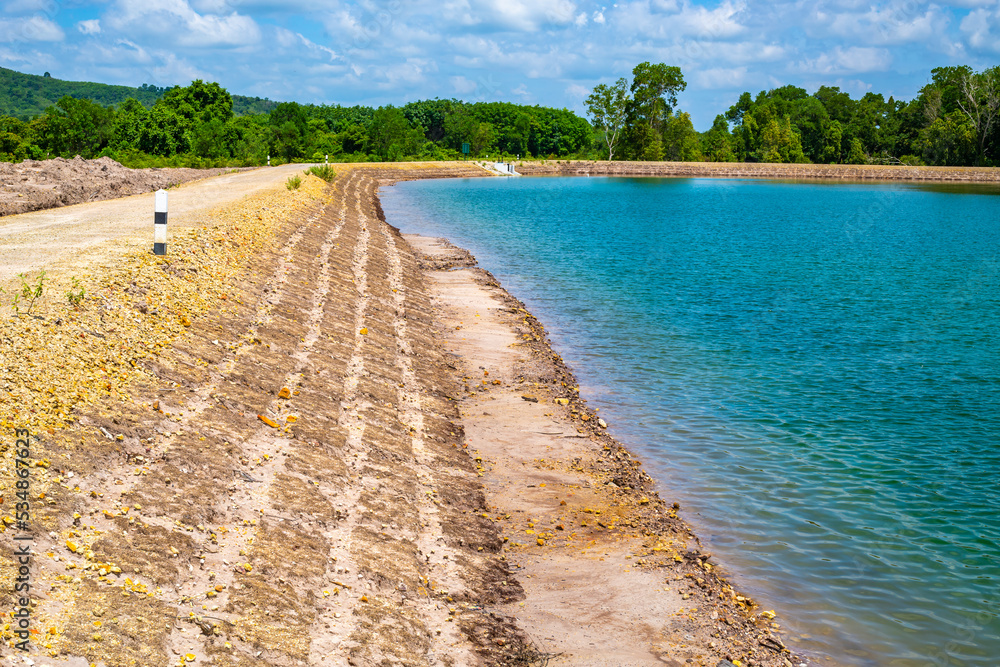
[57,237]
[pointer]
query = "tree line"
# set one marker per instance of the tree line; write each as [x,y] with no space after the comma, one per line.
[953,121]
[196,126]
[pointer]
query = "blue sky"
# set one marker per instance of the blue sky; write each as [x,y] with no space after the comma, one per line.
[549,52]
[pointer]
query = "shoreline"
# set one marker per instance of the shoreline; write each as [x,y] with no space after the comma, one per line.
[590,504]
[806,172]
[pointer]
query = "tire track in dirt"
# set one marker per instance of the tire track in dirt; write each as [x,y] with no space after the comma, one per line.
[447,642]
[219,571]
[335,538]
[279,600]
[174,435]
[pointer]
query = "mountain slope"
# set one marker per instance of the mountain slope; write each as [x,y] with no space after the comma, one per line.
[27,95]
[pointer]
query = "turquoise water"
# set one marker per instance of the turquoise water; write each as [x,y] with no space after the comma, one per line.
[812,370]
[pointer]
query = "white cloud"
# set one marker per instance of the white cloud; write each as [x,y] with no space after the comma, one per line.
[289,40]
[598,18]
[581,20]
[886,26]
[720,77]
[172,69]
[719,22]
[210,6]
[982,29]
[669,20]
[848,60]
[520,15]
[30,29]
[462,86]
[577,92]
[47,7]
[91,27]
[118,53]
[176,22]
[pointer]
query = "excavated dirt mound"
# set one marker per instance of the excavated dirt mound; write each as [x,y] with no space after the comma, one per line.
[34,185]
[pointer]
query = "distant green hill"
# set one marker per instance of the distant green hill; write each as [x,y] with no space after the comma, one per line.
[25,96]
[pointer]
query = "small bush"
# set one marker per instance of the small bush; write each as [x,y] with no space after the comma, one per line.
[76,293]
[30,292]
[325,172]
[293,182]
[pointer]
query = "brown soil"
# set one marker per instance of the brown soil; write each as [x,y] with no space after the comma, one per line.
[35,185]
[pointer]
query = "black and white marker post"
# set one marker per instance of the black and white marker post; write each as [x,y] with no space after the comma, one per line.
[160,224]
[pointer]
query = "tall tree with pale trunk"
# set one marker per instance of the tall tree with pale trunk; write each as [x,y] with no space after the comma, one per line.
[607,107]
[980,102]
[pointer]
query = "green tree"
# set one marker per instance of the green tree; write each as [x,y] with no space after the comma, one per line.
[200,102]
[717,143]
[387,133]
[654,91]
[832,143]
[980,103]
[736,112]
[949,140]
[484,139]
[459,127]
[857,153]
[838,104]
[131,119]
[209,139]
[77,127]
[681,142]
[289,130]
[607,107]
[353,139]
[164,132]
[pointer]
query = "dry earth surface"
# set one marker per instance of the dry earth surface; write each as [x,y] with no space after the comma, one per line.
[49,238]
[295,440]
[34,185]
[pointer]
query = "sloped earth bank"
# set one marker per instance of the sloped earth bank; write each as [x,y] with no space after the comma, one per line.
[768,170]
[287,478]
[34,185]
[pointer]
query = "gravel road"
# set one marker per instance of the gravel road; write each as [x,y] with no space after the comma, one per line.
[62,237]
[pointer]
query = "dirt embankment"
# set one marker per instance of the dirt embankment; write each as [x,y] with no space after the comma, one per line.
[248,453]
[837,172]
[35,185]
